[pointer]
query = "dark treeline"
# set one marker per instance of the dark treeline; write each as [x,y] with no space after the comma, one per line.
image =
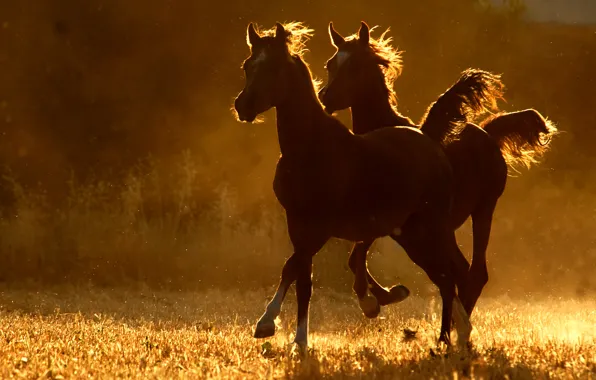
[88,90]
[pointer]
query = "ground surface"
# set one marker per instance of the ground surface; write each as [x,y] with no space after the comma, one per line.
[141,334]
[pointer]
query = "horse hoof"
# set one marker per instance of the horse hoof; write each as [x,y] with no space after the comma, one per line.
[370,306]
[398,293]
[265,329]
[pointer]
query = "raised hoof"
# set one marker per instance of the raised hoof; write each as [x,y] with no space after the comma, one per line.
[398,293]
[265,329]
[370,306]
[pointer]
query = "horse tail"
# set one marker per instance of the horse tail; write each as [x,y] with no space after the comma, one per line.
[474,93]
[523,136]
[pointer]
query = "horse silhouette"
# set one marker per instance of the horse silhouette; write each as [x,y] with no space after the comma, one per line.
[333,183]
[361,75]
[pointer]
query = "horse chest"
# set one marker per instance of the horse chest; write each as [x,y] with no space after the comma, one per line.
[304,187]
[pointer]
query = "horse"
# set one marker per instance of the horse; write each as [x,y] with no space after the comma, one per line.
[334,183]
[361,75]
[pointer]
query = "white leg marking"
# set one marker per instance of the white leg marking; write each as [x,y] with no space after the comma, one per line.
[274,307]
[266,324]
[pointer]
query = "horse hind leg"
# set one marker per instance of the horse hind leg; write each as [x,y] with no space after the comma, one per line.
[478,275]
[439,257]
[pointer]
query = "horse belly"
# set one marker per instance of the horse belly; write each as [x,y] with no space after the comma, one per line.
[361,220]
[361,229]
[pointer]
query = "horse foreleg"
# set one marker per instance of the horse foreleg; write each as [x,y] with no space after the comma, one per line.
[440,273]
[303,294]
[460,271]
[478,275]
[357,262]
[266,324]
[385,296]
[307,239]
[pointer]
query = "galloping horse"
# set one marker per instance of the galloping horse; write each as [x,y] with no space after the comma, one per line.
[361,76]
[333,183]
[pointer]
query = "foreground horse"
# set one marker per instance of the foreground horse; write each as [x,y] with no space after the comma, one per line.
[333,183]
[361,75]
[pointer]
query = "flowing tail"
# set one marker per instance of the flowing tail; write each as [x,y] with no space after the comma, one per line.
[523,136]
[475,92]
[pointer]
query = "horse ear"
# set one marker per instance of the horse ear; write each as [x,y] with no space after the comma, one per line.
[336,39]
[252,37]
[280,33]
[364,33]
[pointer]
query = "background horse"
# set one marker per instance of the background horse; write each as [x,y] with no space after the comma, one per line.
[333,183]
[361,76]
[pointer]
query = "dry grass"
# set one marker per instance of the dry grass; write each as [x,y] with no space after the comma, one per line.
[142,334]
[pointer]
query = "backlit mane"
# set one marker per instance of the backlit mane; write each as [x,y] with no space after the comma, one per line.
[298,35]
[388,58]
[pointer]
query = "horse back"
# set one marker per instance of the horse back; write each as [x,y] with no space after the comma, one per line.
[406,163]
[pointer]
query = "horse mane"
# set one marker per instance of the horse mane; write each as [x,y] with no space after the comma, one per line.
[523,136]
[475,92]
[387,57]
[297,35]
[389,61]
[305,71]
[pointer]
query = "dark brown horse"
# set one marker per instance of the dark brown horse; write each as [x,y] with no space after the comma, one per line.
[361,76]
[333,183]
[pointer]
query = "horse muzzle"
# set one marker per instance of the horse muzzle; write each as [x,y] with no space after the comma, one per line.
[244,109]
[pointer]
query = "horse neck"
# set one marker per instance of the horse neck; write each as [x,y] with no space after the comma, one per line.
[300,118]
[372,110]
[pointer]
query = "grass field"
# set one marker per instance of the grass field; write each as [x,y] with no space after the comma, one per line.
[79,333]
